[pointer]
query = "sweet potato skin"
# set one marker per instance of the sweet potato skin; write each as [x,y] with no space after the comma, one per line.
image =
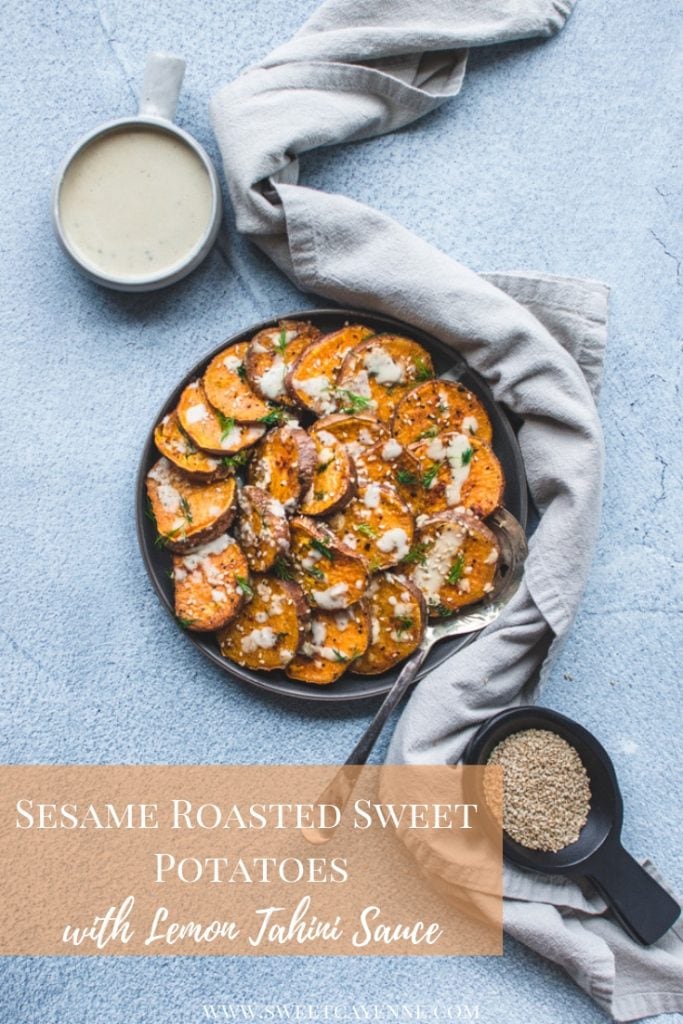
[207,589]
[312,379]
[262,530]
[228,390]
[330,574]
[377,525]
[341,637]
[436,407]
[457,564]
[269,629]
[398,616]
[385,368]
[187,512]
[173,443]
[283,464]
[271,354]
[209,430]
[481,490]
[334,480]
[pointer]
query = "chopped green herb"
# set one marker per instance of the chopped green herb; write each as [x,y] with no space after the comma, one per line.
[316,573]
[189,448]
[149,513]
[404,623]
[186,510]
[404,476]
[318,495]
[281,343]
[416,556]
[169,573]
[456,569]
[236,461]
[354,402]
[162,539]
[366,530]
[466,456]
[428,478]
[429,432]
[373,565]
[186,623]
[422,371]
[441,610]
[226,424]
[323,549]
[244,586]
[323,466]
[272,418]
[283,569]
[242,371]
[338,655]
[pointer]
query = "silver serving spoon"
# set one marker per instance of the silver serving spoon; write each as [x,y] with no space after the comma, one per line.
[513,552]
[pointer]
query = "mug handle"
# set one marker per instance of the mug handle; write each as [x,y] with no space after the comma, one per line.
[161,85]
[643,907]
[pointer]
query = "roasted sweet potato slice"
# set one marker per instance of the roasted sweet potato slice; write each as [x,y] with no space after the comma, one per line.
[389,463]
[188,512]
[211,583]
[262,529]
[210,429]
[334,480]
[453,561]
[313,377]
[377,525]
[272,353]
[439,406]
[331,575]
[269,628]
[355,432]
[284,464]
[398,616]
[384,369]
[227,388]
[176,446]
[459,472]
[332,642]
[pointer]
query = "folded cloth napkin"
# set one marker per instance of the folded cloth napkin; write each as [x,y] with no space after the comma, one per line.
[355,70]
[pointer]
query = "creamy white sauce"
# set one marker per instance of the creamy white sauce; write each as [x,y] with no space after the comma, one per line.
[431,576]
[135,203]
[394,540]
[382,367]
[331,598]
[272,382]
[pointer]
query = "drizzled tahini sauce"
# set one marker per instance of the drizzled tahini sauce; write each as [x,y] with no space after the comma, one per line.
[135,202]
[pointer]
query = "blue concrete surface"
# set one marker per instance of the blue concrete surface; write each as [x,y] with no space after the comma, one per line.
[558,156]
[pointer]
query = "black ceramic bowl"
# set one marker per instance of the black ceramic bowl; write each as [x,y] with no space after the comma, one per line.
[157,560]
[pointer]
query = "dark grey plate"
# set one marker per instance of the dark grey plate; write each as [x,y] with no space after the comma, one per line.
[158,561]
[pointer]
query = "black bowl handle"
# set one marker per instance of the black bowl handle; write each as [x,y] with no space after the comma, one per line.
[643,907]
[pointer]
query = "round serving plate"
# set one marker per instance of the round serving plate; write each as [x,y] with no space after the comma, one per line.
[157,560]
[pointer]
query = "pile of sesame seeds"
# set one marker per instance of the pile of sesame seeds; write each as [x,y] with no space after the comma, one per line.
[546,789]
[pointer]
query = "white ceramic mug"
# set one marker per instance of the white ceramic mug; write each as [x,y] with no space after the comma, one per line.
[161,87]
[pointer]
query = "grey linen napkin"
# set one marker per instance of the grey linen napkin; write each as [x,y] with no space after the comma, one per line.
[355,70]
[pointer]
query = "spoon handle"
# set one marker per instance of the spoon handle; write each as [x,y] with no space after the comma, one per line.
[339,790]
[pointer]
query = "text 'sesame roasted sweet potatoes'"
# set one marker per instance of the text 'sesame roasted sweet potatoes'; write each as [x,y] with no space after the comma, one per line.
[272,353]
[356,432]
[262,530]
[382,370]
[227,388]
[334,479]
[211,584]
[398,616]
[453,561]
[179,449]
[284,464]
[439,406]
[330,574]
[457,471]
[377,525]
[188,512]
[210,429]
[332,643]
[270,627]
[312,380]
